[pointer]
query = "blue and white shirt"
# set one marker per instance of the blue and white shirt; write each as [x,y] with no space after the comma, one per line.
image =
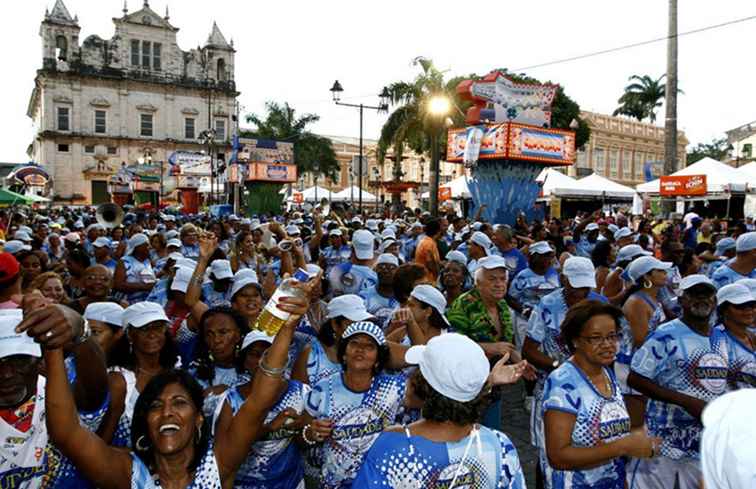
[627,342]
[213,298]
[724,275]
[677,358]
[379,306]
[598,419]
[584,247]
[192,251]
[274,462]
[319,366]
[358,419]
[348,278]
[206,476]
[336,256]
[399,461]
[528,288]
[137,272]
[741,360]
[159,293]
[516,261]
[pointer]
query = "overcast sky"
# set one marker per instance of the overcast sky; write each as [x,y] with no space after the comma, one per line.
[293,50]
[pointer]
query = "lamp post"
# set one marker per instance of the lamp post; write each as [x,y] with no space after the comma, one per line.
[384,96]
[207,138]
[438,107]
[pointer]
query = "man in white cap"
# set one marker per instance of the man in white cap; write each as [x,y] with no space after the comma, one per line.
[742,266]
[217,291]
[379,299]
[680,370]
[358,274]
[101,247]
[586,236]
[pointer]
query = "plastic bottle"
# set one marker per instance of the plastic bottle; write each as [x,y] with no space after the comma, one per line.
[271,319]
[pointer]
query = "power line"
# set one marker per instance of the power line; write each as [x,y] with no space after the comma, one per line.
[635,45]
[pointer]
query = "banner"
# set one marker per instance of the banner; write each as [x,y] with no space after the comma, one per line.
[682,185]
[271,172]
[187,182]
[182,161]
[444,193]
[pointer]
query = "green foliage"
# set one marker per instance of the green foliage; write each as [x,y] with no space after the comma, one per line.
[642,98]
[718,149]
[312,153]
[263,197]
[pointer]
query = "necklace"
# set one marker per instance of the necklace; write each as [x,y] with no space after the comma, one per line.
[607,384]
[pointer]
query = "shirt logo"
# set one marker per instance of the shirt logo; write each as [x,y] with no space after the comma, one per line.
[711,373]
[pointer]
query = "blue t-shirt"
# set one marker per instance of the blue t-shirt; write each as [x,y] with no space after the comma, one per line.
[516,261]
[528,288]
[598,419]
[348,278]
[379,306]
[741,360]
[397,461]
[336,256]
[213,298]
[319,366]
[677,358]
[724,275]
[358,418]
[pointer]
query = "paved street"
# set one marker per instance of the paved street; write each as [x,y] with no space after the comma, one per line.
[515,423]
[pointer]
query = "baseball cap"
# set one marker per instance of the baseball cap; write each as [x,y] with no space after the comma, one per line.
[356,220]
[292,230]
[9,267]
[335,232]
[22,236]
[137,240]
[72,237]
[580,272]
[388,233]
[734,294]
[143,313]
[724,245]
[254,337]
[456,256]
[613,228]
[592,227]
[746,242]
[182,261]
[15,246]
[427,294]
[387,258]
[221,269]
[349,306]
[696,279]
[174,242]
[372,224]
[631,252]
[181,279]
[363,242]
[540,248]
[453,364]
[750,283]
[169,218]
[242,278]
[101,242]
[492,262]
[365,327]
[622,233]
[644,264]
[482,240]
[106,312]
[12,343]
[171,234]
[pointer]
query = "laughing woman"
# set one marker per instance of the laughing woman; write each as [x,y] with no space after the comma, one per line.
[172,447]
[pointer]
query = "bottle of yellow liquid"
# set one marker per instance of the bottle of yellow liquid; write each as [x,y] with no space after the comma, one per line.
[271,319]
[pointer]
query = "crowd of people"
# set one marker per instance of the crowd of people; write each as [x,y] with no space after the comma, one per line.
[358,350]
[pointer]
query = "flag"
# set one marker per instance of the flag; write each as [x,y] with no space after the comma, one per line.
[648,171]
[236,146]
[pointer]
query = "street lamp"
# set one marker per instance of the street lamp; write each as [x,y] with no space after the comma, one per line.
[384,96]
[438,107]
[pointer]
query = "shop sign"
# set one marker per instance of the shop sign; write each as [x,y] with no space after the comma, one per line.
[682,185]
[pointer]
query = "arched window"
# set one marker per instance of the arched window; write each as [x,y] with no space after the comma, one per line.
[222,76]
[61,45]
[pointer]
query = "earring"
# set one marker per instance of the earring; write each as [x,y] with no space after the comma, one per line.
[198,439]
[647,284]
[141,444]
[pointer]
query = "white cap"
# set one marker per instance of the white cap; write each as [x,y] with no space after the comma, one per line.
[482,240]
[644,264]
[181,261]
[356,220]
[171,234]
[16,246]
[143,313]
[387,258]
[625,232]
[349,306]
[12,343]
[254,337]
[492,262]
[25,229]
[613,228]
[453,364]
[173,242]
[580,272]
[365,327]
[221,269]
[292,230]
[388,233]
[427,294]
[233,217]
[456,256]
[592,227]
[363,243]
[417,225]
[335,232]
[243,278]
[246,222]
[169,218]
[630,252]
[697,279]
[388,242]
[105,312]
[181,279]
[728,459]
[372,224]
[93,227]
[734,294]
[723,245]
[22,236]
[750,283]
[746,242]
[101,242]
[540,248]
[72,237]
[137,240]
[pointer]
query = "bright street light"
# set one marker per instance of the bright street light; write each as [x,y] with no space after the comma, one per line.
[439,105]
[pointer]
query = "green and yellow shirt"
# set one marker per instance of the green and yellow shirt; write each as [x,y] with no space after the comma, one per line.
[468,316]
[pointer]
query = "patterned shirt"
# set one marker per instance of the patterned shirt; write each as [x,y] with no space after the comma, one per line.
[741,360]
[468,316]
[724,275]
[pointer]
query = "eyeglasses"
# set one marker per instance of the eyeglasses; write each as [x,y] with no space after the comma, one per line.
[598,340]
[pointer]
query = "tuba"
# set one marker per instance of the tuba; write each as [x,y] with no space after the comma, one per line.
[109,215]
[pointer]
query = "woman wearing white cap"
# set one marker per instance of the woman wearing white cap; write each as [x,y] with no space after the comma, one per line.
[643,313]
[735,308]
[106,322]
[426,309]
[447,448]
[274,460]
[134,276]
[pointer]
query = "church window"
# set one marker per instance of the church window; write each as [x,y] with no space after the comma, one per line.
[189,128]
[100,121]
[222,70]
[156,56]
[89,149]
[64,119]
[135,53]
[145,128]
[146,54]
[61,46]
[220,129]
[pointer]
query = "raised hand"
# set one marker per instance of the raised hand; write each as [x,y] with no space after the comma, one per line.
[208,243]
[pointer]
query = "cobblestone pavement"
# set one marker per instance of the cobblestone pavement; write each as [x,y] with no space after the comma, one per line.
[516,425]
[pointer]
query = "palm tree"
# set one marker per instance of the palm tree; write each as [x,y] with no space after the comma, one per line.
[411,125]
[642,98]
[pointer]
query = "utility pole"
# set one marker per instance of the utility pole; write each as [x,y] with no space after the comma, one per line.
[670,121]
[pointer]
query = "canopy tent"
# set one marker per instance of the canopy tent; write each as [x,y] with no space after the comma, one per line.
[12,198]
[346,195]
[748,171]
[720,178]
[458,186]
[604,187]
[552,179]
[311,194]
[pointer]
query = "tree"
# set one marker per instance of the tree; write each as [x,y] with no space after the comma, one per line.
[642,97]
[312,153]
[717,149]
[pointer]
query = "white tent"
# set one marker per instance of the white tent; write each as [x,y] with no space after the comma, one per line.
[719,177]
[309,194]
[458,186]
[346,195]
[553,179]
[605,187]
[748,171]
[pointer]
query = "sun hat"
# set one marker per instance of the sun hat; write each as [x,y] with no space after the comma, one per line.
[644,264]
[243,278]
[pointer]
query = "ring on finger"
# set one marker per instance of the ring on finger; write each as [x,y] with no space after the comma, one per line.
[48,334]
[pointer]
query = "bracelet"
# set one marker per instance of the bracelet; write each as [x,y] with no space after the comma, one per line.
[304,436]
[197,279]
[270,371]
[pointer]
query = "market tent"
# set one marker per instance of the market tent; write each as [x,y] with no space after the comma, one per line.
[458,186]
[12,198]
[346,195]
[552,179]
[719,177]
[310,194]
[605,187]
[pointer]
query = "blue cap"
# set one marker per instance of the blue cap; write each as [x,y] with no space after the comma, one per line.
[724,244]
[746,242]
[644,264]
[365,327]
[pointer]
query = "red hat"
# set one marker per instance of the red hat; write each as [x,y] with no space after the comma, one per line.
[9,267]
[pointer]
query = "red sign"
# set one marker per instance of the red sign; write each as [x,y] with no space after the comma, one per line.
[444,193]
[298,198]
[682,185]
[272,172]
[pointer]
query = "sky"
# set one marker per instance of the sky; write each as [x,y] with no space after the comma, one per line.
[292,51]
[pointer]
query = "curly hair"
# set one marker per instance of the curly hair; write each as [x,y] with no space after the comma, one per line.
[383,356]
[437,407]
[139,429]
[43,277]
[579,315]
[205,367]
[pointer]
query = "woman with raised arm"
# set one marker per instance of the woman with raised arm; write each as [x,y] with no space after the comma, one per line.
[172,448]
